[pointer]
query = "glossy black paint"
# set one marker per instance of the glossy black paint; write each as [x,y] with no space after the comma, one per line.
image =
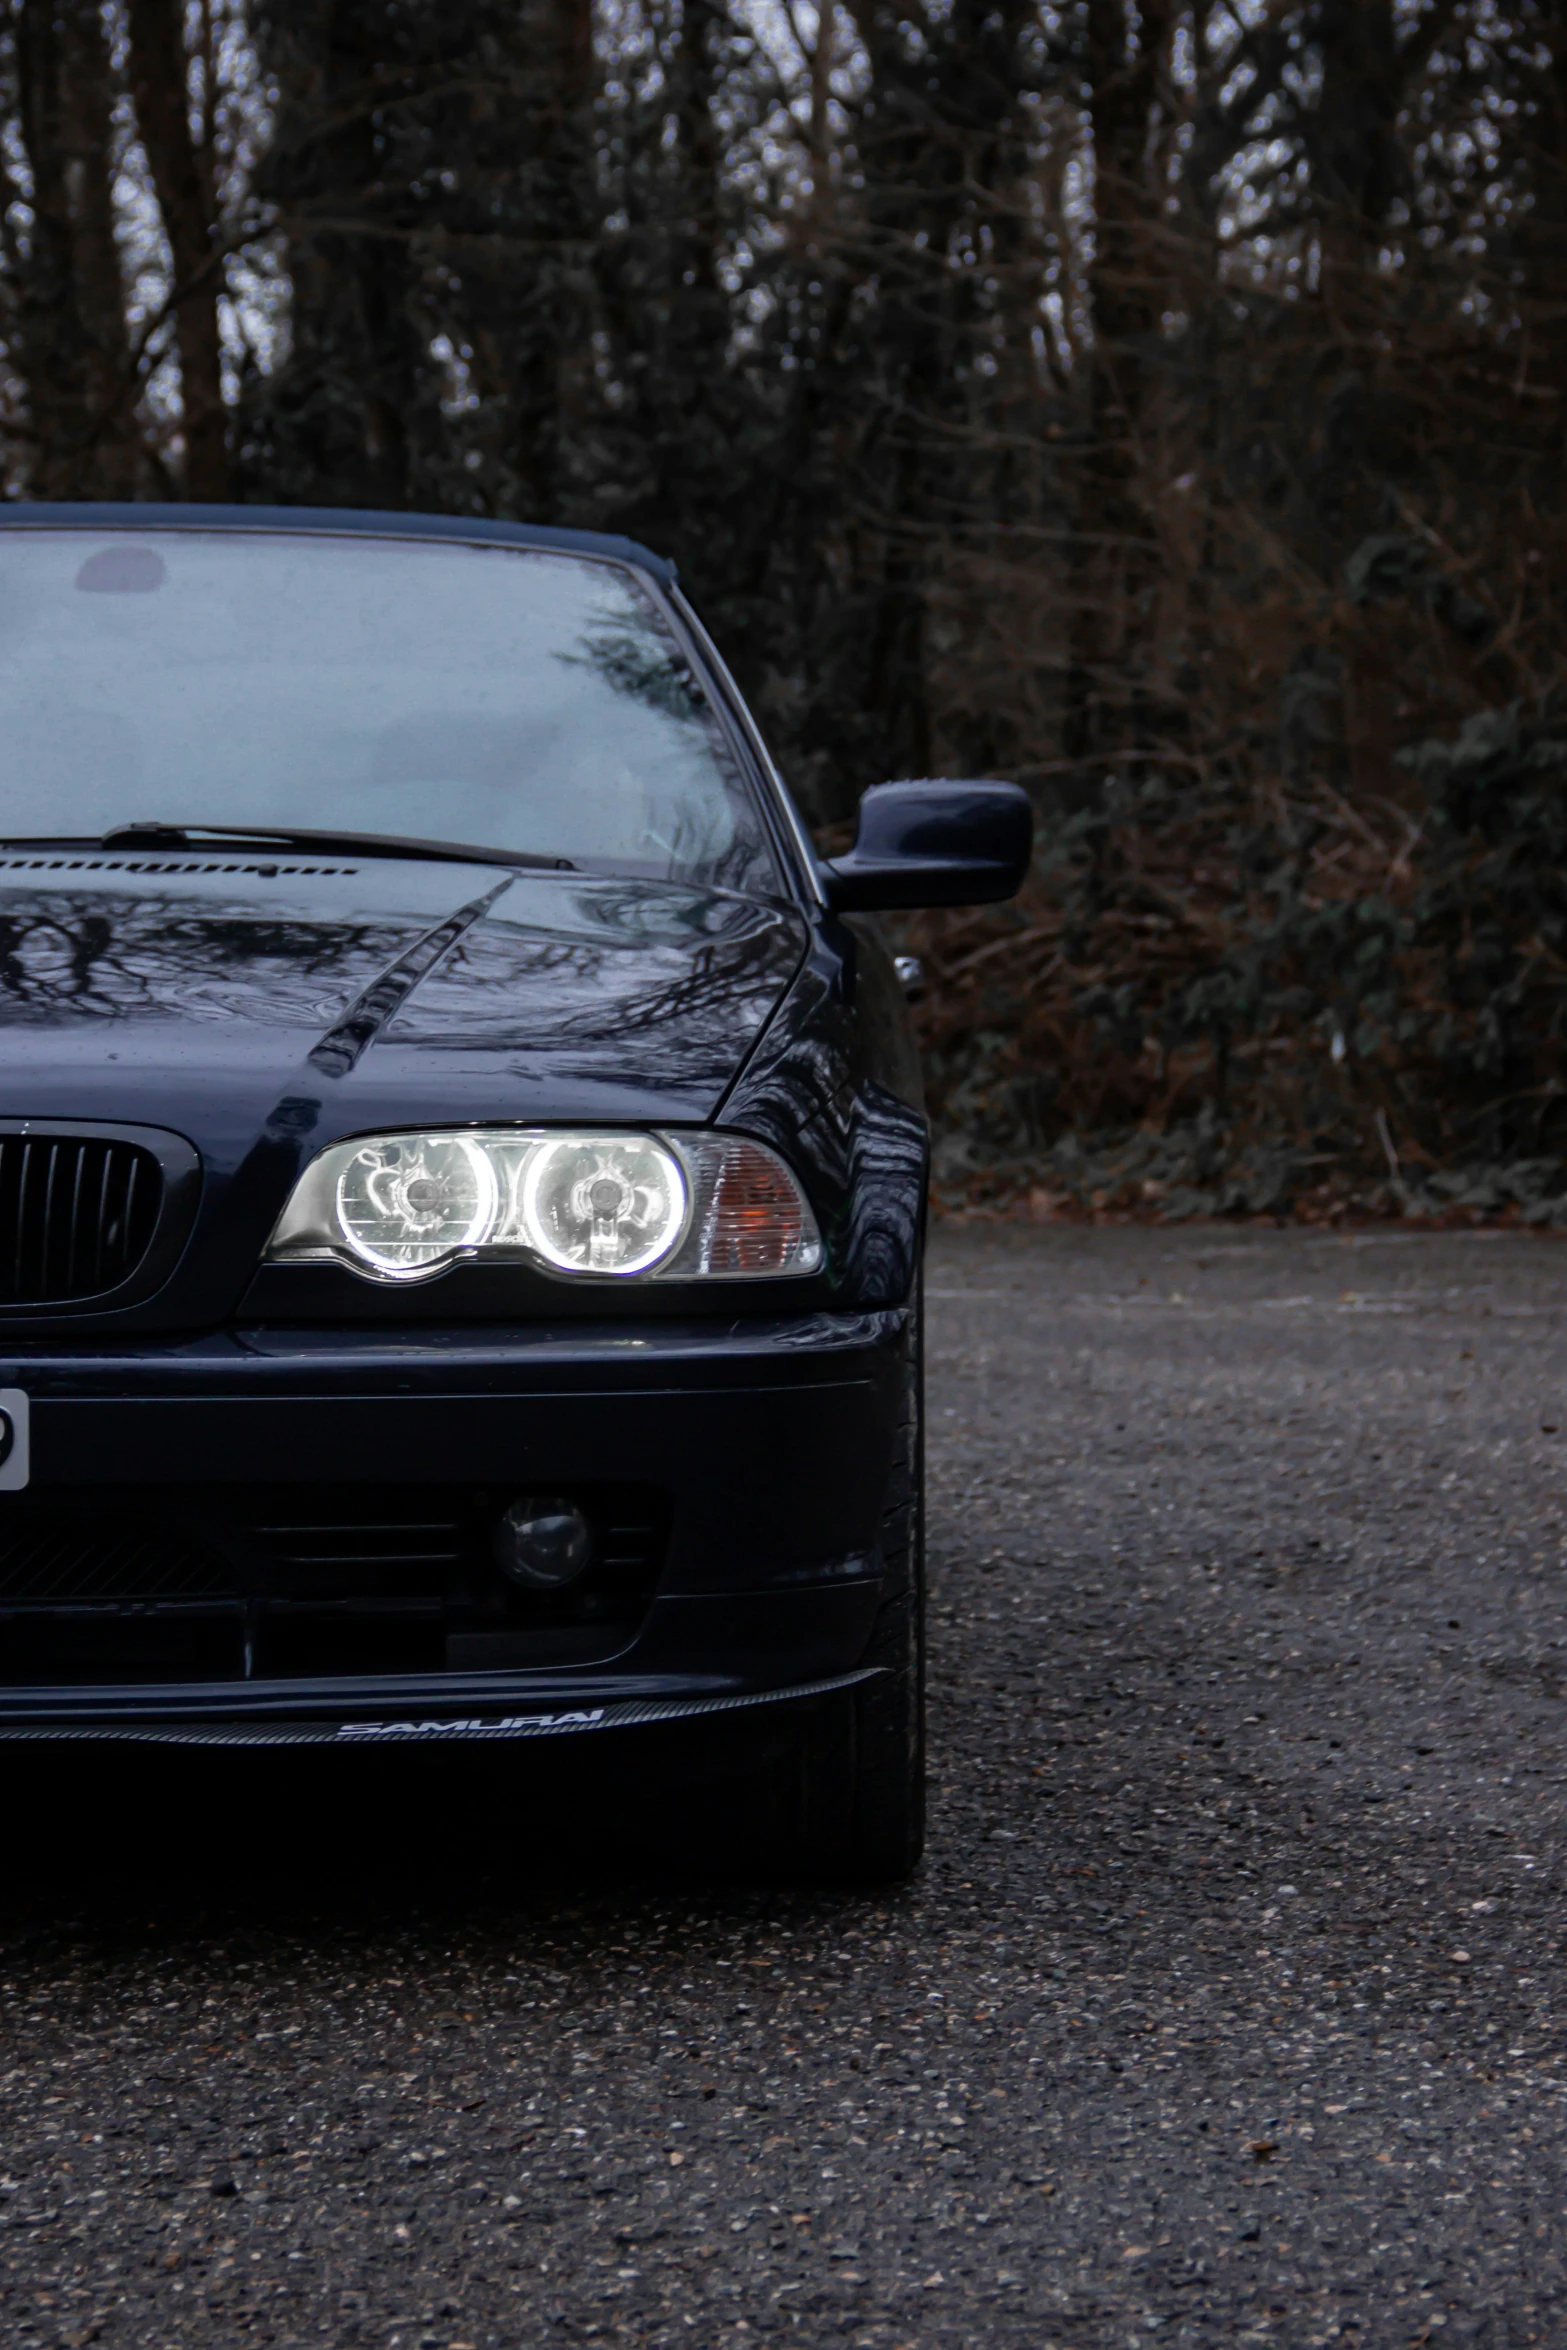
[249,1008]
[935,844]
[772,1439]
[263,1009]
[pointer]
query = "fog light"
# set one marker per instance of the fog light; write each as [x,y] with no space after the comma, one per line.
[543,1544]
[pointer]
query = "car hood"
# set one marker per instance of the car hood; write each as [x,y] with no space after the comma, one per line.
[229,998]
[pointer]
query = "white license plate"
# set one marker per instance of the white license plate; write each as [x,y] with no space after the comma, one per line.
[13,1439]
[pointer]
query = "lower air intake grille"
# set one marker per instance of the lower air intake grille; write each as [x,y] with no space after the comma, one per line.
[77,1215]
[53,1566]
[113,1584]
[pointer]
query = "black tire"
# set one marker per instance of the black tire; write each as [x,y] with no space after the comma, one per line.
[842,1796]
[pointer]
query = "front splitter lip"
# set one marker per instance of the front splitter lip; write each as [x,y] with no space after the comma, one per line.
[396,1728]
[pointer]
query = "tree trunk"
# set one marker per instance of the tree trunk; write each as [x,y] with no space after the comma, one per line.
[71,346]
[180,175]
[1114,558]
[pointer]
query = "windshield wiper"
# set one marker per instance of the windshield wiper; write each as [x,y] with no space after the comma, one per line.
[328,844]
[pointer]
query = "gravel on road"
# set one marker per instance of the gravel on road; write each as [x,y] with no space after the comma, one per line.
[1228,2006]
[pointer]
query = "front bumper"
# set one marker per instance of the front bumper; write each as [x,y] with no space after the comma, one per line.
[772,1443]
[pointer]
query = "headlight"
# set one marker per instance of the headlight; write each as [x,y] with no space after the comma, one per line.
[399,1207]
[601,1204]
[414,1201]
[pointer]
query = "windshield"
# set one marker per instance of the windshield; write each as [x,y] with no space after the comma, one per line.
[504,698]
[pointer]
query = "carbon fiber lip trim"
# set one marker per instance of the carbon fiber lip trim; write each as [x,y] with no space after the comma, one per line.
[630,1713]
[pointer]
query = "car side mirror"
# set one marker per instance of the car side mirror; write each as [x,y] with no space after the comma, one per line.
[934,844]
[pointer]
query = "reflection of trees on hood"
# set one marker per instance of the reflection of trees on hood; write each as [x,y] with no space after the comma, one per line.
[549,986]
[635,913]
[708,987]
[43,958]
[99,959]
[703,994]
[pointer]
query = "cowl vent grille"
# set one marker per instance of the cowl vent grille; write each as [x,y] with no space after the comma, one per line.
[77,1216]
[269,868]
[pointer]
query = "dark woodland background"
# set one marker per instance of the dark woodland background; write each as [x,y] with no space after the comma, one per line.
[1161,406]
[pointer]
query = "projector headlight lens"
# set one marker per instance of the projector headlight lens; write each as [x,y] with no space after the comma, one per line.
[415,1200]
[610,1205]
[604,1206]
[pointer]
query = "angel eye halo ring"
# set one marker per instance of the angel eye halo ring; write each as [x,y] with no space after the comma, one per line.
[610,1204]
[576,1203]
[414,1201]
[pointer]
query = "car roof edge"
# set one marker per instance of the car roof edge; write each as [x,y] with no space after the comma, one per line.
[476,530]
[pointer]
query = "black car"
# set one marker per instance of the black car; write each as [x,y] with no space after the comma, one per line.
[462,1166]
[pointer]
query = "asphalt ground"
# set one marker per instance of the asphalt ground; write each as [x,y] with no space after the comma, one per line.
[1226,2008]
